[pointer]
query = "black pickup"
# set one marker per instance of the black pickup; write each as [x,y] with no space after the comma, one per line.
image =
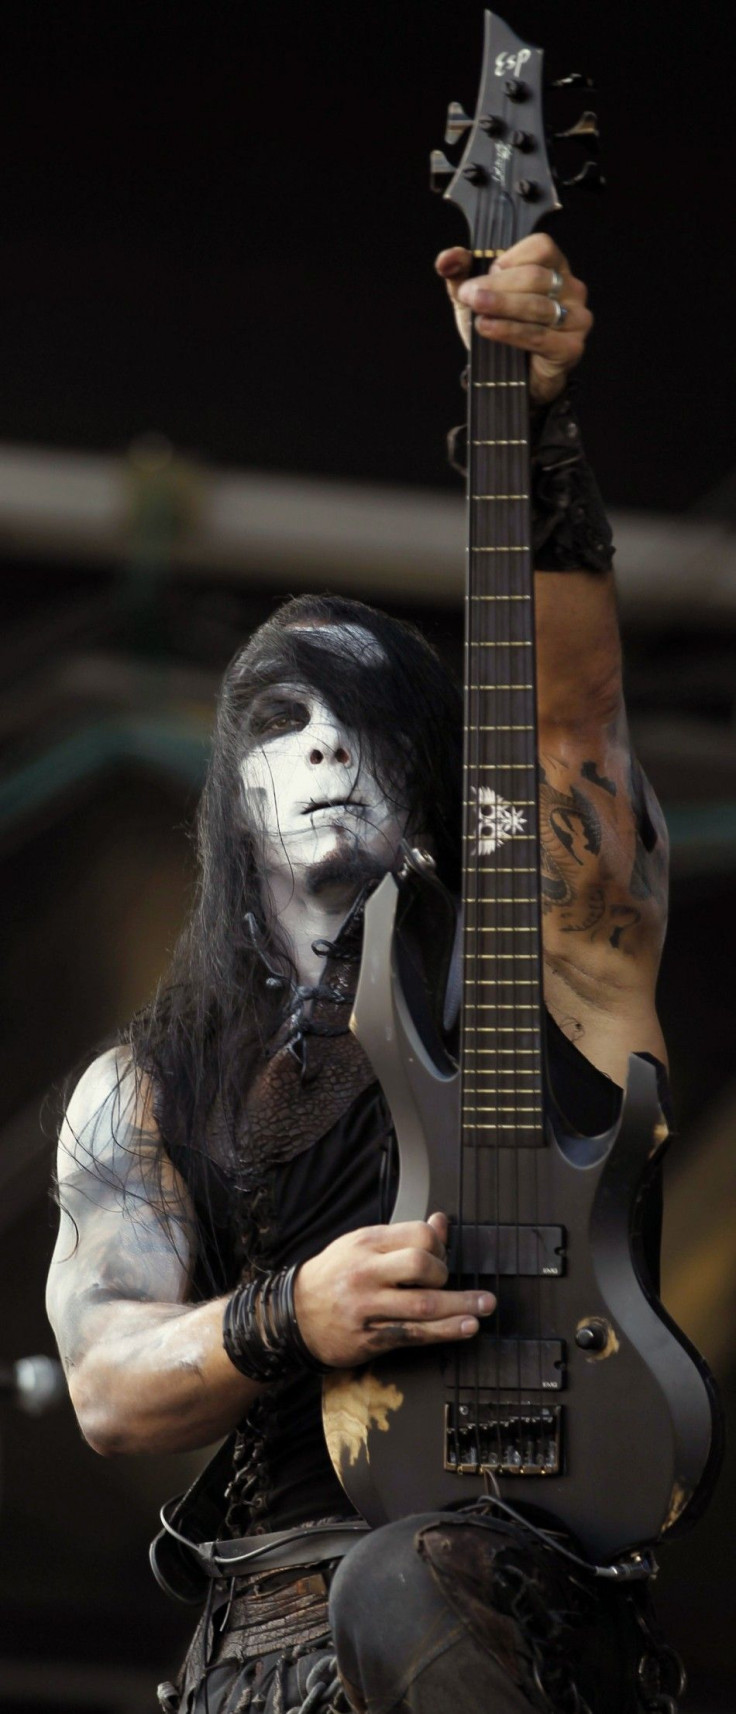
[477,1251]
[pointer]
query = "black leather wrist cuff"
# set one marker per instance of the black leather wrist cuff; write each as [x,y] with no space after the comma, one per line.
[260,1331]
[570,530]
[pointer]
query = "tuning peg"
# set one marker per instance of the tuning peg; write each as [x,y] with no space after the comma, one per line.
[585,126]
[574,80]
[458,122]
[440,171]
[590,177]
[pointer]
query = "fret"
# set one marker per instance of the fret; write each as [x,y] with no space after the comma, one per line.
[505,869]
[478,643]
[504,1127]
[501,597]
[523,442]
[508,1051]
[508,928]
[474,548]
[508,899]
[480,686]
[512,957]
[499,496]
[501,1070]
[503,982]
[501,1030]
[498,383]
[474,1108]
[484,1080]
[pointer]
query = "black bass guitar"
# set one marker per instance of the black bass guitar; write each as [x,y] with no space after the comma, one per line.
[578,1402]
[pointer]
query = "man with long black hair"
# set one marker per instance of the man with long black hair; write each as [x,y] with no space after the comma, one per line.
[227,1173]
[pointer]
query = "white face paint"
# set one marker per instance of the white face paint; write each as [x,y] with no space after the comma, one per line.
[309,795]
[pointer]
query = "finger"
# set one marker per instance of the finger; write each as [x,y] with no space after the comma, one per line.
[530,279]
[405,1235]
[529,307]
[441,1225]
[563,348]
[538,247]
[405,1304]
[411,1267]
[454,264]
[387,1335]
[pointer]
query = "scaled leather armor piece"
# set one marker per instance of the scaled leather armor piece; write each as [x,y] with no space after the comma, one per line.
[570,530]
[315,1070]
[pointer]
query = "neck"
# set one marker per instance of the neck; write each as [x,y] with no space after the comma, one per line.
[305,917]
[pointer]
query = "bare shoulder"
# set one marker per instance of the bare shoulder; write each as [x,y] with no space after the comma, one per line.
[127,1227]
[110,1107]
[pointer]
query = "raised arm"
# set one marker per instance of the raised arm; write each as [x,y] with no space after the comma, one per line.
[146,1370]
[602,835]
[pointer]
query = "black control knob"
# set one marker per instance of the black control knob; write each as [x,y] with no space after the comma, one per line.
[592,1336]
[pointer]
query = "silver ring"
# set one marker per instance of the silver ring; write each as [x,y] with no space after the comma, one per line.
[557,284]
[560,313]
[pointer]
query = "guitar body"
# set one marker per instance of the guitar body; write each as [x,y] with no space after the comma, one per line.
[635,1423]
[578,1400]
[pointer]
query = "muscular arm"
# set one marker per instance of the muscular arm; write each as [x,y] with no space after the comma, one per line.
[603,839]
[146,1370]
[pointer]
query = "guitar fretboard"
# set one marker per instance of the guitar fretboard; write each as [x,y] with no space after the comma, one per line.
[501,1052]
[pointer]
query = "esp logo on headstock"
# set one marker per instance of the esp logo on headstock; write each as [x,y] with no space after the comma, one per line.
[503,182]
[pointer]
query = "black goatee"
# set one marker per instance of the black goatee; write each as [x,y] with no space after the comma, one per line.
[350,868]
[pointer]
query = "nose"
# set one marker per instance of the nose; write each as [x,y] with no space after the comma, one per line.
[329,742]
[325,749]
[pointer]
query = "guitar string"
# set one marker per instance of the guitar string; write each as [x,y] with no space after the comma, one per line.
[535,923]
[479,414]
[516,416]
[495,369]
[466,851]
[494,483]
[529,747]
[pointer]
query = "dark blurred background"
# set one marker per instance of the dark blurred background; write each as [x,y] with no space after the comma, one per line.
[228,373]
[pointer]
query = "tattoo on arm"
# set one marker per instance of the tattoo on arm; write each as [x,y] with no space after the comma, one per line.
[590,772]
[570,831]
[586,890]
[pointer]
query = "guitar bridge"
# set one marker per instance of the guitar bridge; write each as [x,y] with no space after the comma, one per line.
[484,1436]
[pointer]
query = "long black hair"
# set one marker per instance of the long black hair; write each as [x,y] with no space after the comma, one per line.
[201,1039]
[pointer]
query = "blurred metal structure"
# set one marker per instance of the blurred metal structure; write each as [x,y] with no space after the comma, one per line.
[82,507]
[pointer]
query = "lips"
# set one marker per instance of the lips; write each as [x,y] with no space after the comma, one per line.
[334,804]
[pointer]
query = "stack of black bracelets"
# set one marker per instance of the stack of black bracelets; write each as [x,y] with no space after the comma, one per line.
[260,1331]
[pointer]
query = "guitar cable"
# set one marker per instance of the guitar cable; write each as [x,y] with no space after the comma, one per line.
[634,1569]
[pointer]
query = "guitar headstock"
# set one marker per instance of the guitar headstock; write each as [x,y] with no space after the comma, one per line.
[503,182]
